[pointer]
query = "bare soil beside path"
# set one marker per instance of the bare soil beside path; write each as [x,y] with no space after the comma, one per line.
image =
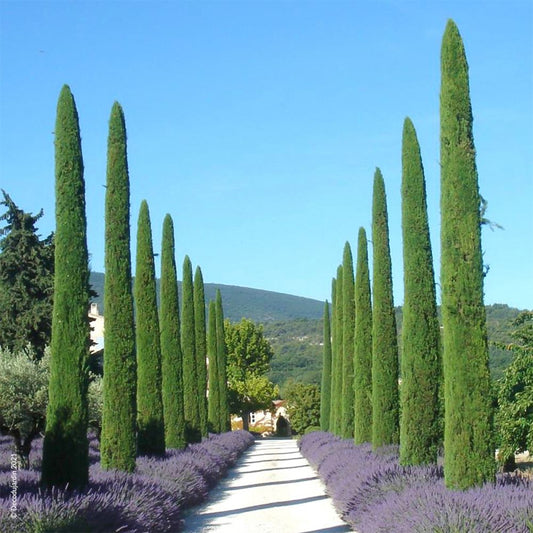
[272,489]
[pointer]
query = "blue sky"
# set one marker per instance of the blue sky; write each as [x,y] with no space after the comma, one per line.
[258,124]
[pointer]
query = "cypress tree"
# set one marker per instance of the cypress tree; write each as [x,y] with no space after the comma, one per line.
[385,399]
[66,449]
[468,438]
[201,347]
[188,348]
[421,369]
[224,420]
[348,332]
[118,442]
[214,389]
[325,391]
[337,392]
[150,422]
[171,357]
[363,345]
[333,354]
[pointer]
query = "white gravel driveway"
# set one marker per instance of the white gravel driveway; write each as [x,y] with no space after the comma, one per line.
[272,489]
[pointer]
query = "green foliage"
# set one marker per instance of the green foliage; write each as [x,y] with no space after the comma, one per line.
[303,406]
[65,449]
[338,350]
[385,400]
[95,398]
[119,418]
[514,418]
[420,424]
[150,422]
[26,281]
[325,398]
[224,406]
[213,403]
[201,347]
[468,437]
[188,348]
[171,356]
[363,345]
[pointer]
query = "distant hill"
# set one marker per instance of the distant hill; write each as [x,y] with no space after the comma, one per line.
[255,304]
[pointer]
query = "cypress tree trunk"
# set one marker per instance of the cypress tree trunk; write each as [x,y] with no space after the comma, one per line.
[363,345]
[339,351]
[325,391]
[468,438]
[334,376]
[420,433]
[188,347]
[66,449]
[118,442]
[150,422]
[214,389]
[385,400]
[224,420]
[171,357]
[348,332]
[201,347]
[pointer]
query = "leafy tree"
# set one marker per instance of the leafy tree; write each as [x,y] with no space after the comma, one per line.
[303,406]
[119,439]
[248,358]
[363,346]
[348,332]
[213,403]
[65,448]
[514,418]
[468,435]
[188,348]
[224,408]
[26,281]
[201,347]
[171,356]
[95,398]
[150,421]
[420,423]
[385,401]
[336,392]
[325,399]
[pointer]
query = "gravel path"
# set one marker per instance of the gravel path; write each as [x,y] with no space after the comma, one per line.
[272,489]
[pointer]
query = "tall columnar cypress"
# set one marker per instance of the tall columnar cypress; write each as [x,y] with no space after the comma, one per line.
[420,433]
[201,347]
[468,438]
[225,422]
[348,332]
[188,348]
[171,357]
[336,407]
[325,391]
[385,396]
[150,421]
[363,345]
[66,451]
[118,442]
[213,403]
[333,354]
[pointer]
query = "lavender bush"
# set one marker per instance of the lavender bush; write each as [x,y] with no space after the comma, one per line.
[151,499]
[373,493]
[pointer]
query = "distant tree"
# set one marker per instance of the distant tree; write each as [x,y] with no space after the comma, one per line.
[188,348]
[336,405]
[171,356]
[468,435]
[150,421]
[420,423]
[363,346]
[333,325]
[385,400]
[325,398]
[348,332]
[201,347]
[26,281]
[224,407]
[119,417]
[213,378]
[65,448]
[248,358]
[303,406]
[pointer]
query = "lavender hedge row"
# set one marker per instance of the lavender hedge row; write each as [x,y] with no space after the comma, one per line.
[151,499]
[373,493]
